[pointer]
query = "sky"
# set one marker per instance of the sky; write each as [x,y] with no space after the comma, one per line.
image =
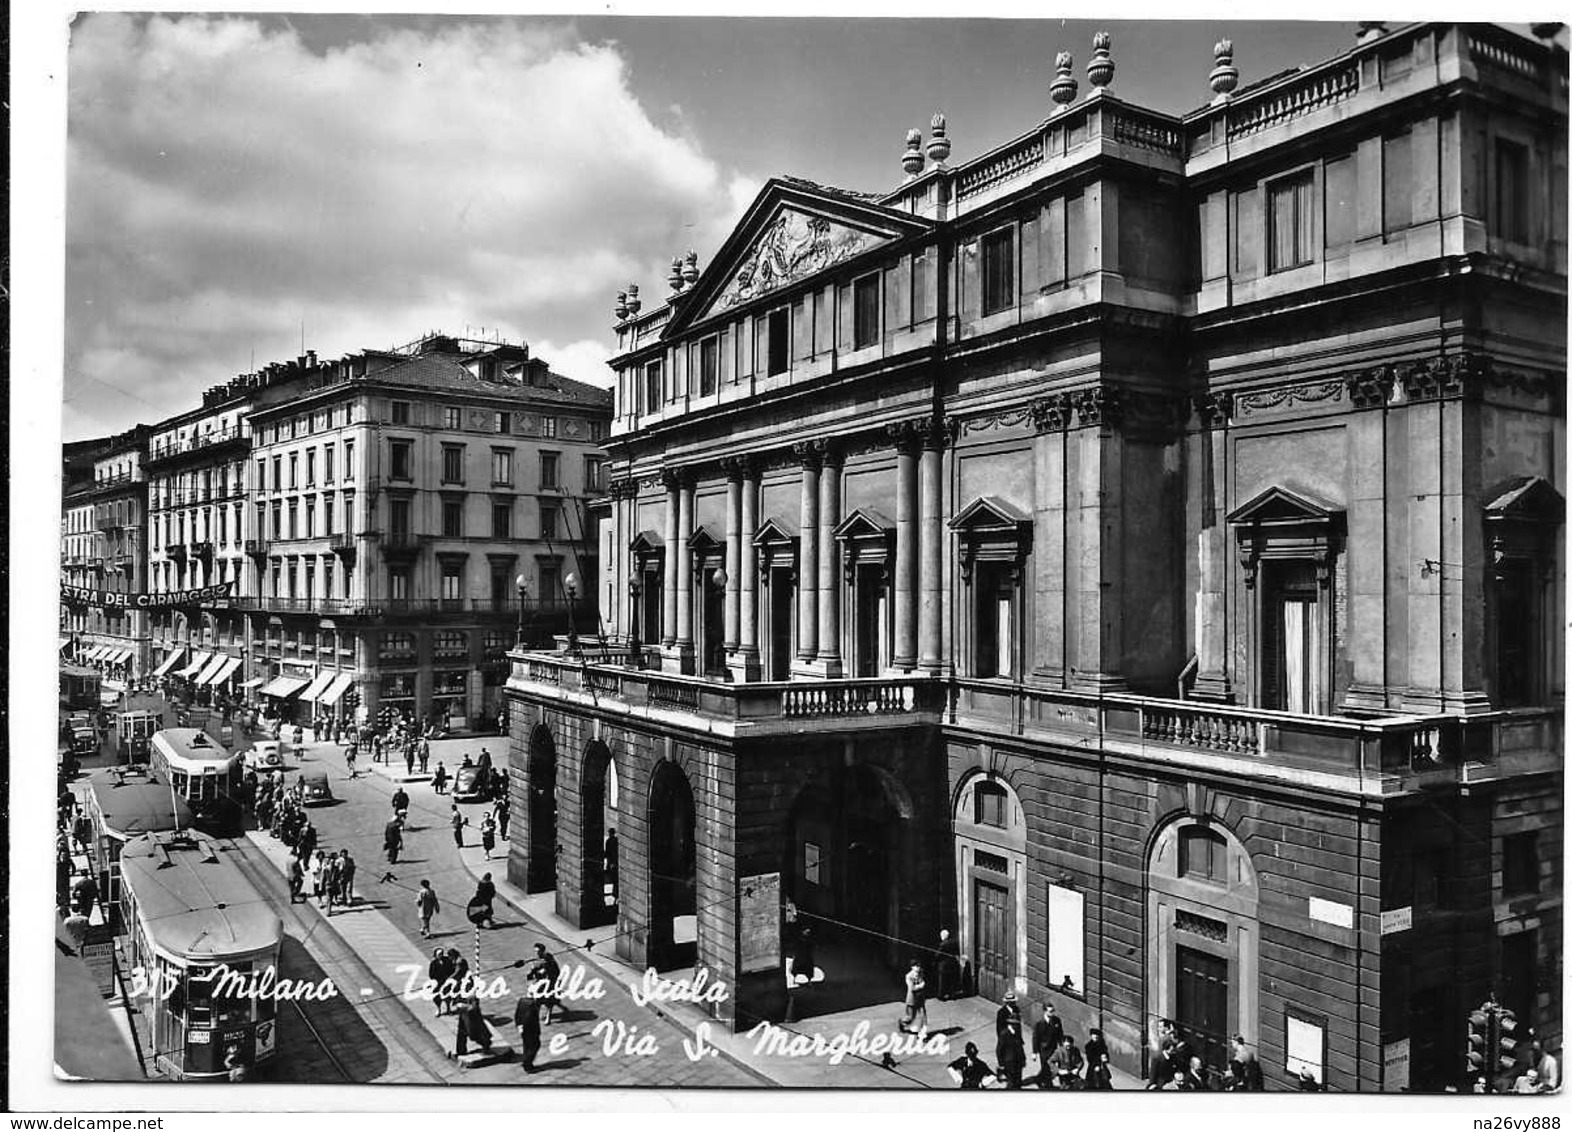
[237,185]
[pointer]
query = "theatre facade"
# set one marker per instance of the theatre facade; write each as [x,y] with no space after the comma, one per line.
[1136,549]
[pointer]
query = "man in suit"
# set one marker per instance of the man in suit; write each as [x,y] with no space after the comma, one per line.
[1046,1036]
[1011,1051]
[949,964]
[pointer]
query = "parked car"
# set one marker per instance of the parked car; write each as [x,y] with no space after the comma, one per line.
[266,755]
[471,784]
[317,792]
[84,740]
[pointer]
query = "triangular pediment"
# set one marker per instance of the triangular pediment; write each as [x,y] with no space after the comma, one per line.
[1281,505]
[701,539]
[791,232]
[646,542]
[988,513]
[775,531]
[1530,498]
[864,522]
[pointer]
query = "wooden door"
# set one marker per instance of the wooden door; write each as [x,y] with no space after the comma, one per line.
[1201,1009]
[993,947]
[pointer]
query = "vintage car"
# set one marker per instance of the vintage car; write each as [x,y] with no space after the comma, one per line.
[471,784]
[317,792]
[268,754]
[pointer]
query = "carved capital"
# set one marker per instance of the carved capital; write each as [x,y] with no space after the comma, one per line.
[1371,388]
[1099,405]
[907,435]
[737,467]
[1051,413]
[1214,409]
[811,453]
[1444,378]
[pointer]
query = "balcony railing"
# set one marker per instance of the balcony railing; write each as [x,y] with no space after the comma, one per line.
[172,447]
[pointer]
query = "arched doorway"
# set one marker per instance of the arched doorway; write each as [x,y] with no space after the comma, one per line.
[990,861]
[542,841]
[673,928]
[597,903]
[1203,937]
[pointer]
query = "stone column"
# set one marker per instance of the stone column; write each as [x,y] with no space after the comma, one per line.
[733,551]
[829,656]
[930,611]
[684,569]
[746,666]
[668,628]
[906,579]
[808,555]
[1214,554]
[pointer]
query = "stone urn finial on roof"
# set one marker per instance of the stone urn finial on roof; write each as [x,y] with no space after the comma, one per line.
[1225,76]
[690,268]
[633,299]
[622,305]
[939,145]
[1100,71]
[911,160]
[674,280]
[1062,89]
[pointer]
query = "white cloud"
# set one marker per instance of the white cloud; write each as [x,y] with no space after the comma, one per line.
[227,181]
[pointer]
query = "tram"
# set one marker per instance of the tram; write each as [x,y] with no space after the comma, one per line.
[125,802]
[203,940]
[203,772]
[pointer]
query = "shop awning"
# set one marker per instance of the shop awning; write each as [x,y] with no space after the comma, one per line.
[284,686]
[91,653]
[210,673]
[316,687]
[230,664]
[253,682]
[120,656]
[335,691]
[169,662]
[198,663]
[65,643]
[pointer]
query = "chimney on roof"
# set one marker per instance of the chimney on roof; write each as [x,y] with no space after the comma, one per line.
[1225,76]
[1062,89]
[939,144]
[912,159]
[1100,71]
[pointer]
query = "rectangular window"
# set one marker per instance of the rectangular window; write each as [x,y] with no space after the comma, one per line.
[398,517]
[327,574]
[1397,182]
[349,512]
[549,582]
[311,467]
[1520,863]
[261,474]
[709,366]
[327,514]
[400,412]
[990,802]
[1290,220]
[278,473]
[1066,939]
[548,427]
[327,463]
[998,270]
[1203,855]
[278,520]
[349,461]
[452,417]
[1511,195]
[452,581]
[548,471]
[294,511]
[502,422]
[452,463]
[778,339]
[311,518]
[994,620]
[653,393]
[402,460]
[294,470]
[261,520]
[502,465]
[548,520]
[591,474]
[398,583]
[865,311]
[452,518]
[501,520]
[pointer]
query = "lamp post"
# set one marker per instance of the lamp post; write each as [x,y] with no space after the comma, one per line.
[571,584]
[522,585]
[635,646]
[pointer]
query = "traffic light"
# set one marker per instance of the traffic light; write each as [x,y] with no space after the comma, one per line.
[1480,1024]
[1507,1057]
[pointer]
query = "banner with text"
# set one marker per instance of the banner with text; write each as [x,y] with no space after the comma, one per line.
[108,599]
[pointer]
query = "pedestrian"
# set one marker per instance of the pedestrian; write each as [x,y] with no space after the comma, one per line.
[610,862]
[376,748]
[485,898]
[472,1027]
[409,758]
[970,1071]
[488,834]
[82,832]
[349,761]
[346,878]
[308,836]
[439,780]
[440,972]
[1195,1076]
[949,965]
[1244,1066]
[800,970]
[1546,1066]
[1065,1064]
[916,1001]
[1046,1036]
[460,984]
[1011,1048]
[1099,1074]
[459,822]
[426,903]
[526,1016]
[328,874]
[401,803]
[425,754]
[232,1063]
[545,976]
[393,840]
[84,895]
[297,878]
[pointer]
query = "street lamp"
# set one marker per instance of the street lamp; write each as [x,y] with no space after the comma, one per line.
[635,646]
[571,584]
[521,583]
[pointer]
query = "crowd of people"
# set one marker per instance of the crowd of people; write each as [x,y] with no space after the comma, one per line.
[313,873]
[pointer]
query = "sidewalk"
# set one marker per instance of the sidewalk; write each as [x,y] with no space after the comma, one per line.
[959,1021]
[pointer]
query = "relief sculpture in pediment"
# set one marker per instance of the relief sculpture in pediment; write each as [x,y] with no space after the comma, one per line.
[794,245]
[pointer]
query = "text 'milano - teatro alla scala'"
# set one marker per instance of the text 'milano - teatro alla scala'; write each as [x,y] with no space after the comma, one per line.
[1135,549]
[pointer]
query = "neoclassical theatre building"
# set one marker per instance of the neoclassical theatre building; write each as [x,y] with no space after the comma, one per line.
[1136,549]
